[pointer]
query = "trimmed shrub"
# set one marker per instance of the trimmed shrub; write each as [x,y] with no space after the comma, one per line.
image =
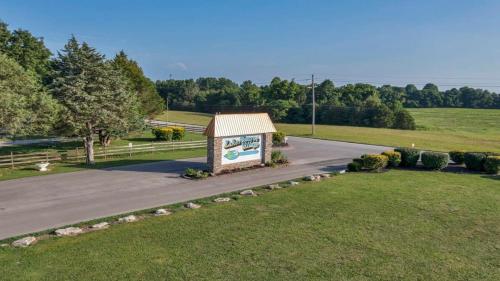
[435,160]
[279,138]
[457,156]
[409,156]
[475,160]
[278,157]
[492,164]
[178,133]
[375,161]
[163,133]
[394,158]
[358,160]
[196,173]
[354,167]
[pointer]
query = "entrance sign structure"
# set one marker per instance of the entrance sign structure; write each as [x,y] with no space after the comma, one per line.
[237,141]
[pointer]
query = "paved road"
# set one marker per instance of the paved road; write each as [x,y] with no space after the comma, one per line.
[39,203]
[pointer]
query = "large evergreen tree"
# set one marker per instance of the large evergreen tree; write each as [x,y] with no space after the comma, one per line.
[94,95]
[151,101]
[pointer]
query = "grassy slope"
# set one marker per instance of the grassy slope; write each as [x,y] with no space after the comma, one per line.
[441,129]
[400,225]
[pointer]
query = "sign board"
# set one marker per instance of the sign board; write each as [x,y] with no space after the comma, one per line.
[241,148]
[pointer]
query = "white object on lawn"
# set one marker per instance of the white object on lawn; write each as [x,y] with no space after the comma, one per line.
[42,167]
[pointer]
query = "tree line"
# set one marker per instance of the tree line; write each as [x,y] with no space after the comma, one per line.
[289,101]
[78,92]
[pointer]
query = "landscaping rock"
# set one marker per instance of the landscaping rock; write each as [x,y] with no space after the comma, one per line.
[130,218]
[4,245]
[102,225]
[325,175]
[273,186]
[248,192]
[24,242]
[342,172]
[162,212]
[292,183]
[191,205]
[69,231]
[222,199]
[312,178]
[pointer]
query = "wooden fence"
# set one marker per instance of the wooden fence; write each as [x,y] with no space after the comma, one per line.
[22,159]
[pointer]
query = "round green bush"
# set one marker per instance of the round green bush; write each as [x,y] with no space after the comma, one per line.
[375,161]
[279,138]
[457,156]
[358,160]
[178,133]
[394,158]
[435,160]
[163,133]
[492,164]
[409,156]
[475,160]
[354,167]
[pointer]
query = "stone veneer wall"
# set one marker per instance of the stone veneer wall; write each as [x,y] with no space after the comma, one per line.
[214,154]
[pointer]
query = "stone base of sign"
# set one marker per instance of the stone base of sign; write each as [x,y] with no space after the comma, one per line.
[214,155]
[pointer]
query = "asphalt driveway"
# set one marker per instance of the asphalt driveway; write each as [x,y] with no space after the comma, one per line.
[39,203]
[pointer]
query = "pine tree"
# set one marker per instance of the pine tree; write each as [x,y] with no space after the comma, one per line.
[94,95]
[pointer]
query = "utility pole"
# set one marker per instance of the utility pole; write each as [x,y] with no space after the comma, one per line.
[313,105]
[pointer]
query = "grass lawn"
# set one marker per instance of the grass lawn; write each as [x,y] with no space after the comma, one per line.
[64,167]
[441,129]
[399,225]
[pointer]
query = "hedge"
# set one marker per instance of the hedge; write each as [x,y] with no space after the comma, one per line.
[163,133]
[375,161]
[178,133]
[354,167]
[409,156]
[394,158]
[457,156]
[435,160]
[492,164]
[475,160]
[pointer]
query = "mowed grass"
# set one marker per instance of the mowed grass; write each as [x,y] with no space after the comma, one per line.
[399,225]
[441,129]
[66,167]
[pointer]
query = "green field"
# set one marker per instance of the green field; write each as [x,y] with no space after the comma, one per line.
[399,225]
[441,129]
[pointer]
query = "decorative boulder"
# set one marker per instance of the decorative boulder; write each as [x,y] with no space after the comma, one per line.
[292,183]
[130,218]
[162,212]
[342,172]
[222,199]
[69,231]
[102,225]
[273,186]
[248,192]
[325,175]
[191,205]
[24,242]
[312,178]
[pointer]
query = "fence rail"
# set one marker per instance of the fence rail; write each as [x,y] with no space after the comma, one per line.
[22,159]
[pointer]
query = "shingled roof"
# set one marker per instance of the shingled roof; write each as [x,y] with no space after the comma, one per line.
[226,125]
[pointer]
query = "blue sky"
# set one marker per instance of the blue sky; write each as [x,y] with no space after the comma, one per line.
[397,42]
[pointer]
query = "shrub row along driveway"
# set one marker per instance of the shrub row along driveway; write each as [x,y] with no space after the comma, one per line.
[39,203]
